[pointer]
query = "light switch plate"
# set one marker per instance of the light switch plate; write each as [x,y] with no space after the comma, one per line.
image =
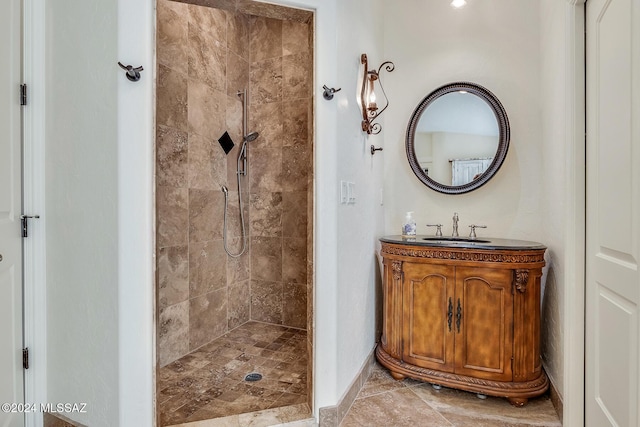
[344,192]
[351,193]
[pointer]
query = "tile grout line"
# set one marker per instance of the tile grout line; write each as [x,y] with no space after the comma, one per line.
[430,406]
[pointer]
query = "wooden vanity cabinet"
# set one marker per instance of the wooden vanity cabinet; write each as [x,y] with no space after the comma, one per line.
[464,318]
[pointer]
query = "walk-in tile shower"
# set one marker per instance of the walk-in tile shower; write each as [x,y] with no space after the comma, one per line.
[220,315]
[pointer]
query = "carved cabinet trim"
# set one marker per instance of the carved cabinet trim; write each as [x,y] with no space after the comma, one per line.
[521,278]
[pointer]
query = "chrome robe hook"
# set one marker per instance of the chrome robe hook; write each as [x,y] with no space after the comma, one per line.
[329,91]
[133,74]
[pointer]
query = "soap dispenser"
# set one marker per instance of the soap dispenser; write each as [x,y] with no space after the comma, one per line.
[409,226]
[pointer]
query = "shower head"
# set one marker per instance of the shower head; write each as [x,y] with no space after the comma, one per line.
[225,190]
[251,137]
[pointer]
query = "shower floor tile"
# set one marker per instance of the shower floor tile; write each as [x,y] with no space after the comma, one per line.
[209,382]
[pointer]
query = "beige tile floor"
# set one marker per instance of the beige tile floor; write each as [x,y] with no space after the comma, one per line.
[385,402]
[205,389]
[209,383]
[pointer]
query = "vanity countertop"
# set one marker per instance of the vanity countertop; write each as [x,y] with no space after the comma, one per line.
[488,243]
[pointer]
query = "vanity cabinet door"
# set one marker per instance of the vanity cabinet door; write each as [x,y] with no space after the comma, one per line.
[484,323]
[427,327]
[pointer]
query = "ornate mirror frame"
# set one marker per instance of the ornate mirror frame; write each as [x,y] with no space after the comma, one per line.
[503,139]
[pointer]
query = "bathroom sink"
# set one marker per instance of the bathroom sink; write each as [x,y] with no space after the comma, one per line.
[447,239]
[484,243]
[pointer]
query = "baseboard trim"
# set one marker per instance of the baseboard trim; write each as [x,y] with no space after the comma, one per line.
[332,416]
[556,399]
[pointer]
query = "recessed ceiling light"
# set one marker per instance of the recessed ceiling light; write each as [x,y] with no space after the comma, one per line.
[458,3]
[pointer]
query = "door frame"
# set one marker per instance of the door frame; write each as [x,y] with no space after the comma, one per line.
[34,260]
[574,214]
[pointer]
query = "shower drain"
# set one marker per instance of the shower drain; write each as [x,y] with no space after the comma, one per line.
[254,376]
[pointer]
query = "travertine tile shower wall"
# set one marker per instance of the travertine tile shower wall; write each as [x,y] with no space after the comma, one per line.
[205,56]
[202,61]
[280,161]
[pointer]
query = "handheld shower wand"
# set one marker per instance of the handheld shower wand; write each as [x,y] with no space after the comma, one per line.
[241,170]
[242,157]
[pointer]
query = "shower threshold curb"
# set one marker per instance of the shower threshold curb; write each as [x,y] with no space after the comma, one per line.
[291,416]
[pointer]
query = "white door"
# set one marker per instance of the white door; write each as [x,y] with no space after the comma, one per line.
[465,171]
[11,380]
[613,213]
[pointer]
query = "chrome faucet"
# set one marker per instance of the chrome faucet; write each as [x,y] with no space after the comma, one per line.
[438,229]
[455,225]
[473,227]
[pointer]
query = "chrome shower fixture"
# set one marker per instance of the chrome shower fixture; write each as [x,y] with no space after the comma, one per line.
[247,137]
[252,136]
[241,170]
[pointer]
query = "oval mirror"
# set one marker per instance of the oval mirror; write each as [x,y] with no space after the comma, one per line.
[457,138]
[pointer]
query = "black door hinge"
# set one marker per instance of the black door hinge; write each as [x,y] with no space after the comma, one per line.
[25,358]
[25,223]
[23,94]
[25,226]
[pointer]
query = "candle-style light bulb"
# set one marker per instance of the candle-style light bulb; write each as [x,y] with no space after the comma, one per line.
[372,97]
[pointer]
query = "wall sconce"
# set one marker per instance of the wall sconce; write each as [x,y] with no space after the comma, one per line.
[368,98]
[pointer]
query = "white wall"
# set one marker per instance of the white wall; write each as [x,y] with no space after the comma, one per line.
[136,219]
[81,208]
[360,30]
[553,107]
[563,201]
[518,50]
[494,43]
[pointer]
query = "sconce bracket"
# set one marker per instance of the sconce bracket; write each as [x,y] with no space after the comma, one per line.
[374,149]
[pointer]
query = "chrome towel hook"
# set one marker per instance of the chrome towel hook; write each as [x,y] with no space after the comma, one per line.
[133,74]
[329,91]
